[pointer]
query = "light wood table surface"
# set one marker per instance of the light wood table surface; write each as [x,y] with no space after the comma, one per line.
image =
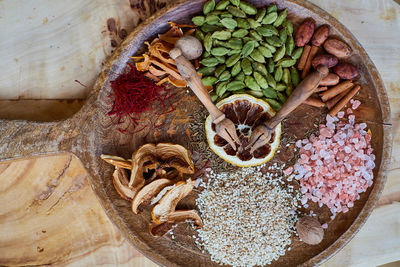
[49,214]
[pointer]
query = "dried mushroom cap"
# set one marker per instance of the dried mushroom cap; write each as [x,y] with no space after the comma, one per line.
[169,201]
[120,181]
[117,161]
[310,230]
[148,192]
[148,155]
[174,218]
[182,216]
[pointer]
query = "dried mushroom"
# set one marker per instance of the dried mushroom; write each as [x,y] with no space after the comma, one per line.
[148,192]
[117,161]
[120,181]
[174,218]
[159,157]
[169,201]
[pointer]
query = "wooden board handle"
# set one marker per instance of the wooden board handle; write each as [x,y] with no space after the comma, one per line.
[299,95]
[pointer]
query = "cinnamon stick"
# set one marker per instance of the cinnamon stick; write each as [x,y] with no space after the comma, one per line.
[332,102]
[311,55]
[304,56]
[315,102]
[321,89]
[334,91]
[344,101]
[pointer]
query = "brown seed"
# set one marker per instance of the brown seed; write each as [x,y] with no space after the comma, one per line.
[329,80]
[304,33]
[320,35]
[346,71]
[337,48]
[327,60]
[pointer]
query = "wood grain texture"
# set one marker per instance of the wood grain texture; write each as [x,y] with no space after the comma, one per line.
[396,115]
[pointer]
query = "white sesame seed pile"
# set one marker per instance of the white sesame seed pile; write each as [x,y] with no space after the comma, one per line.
[249,218]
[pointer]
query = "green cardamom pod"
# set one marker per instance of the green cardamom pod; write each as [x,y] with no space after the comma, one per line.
[278,74]
[240,33]
[221,35]
[283,35]
[208,7]
[265,51]
[220,88]
[226,75]
[274,41]
[241,91]
[219,51]
[240,77]
[246,66]
[215,12]
[198,20]
[273,103]
[235,2]
[260,68]
[251,83]
[199,35]
[226,15]
[207,42]
[270,92]
[255,35]
[270,47]
[281,97]
[219,43]
[232,60]
[261,14]
[236,12]
[271,81]
[271,65]
[256,93]
[234,52]
[242,23]
[270,18]
[235,43]
[257,56]
[222,5]
[209,80]
[281,17]
[288,26]
[289,45]
[286,62]
[219,70]
[249,9]
[235,85]
[206,71]
[280,53]
[289,89]
[264,31]
[220,59]
[209,62]
[236,69]
[206,54]
[213,96]
[295,76]
[212,19]
[280,87]
[272,8]
[253,24]
[209,28]
[229,23]
[297,53]
[286,76]
[248,48]
[260,80]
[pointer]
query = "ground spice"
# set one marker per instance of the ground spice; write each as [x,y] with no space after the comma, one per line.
[132,94]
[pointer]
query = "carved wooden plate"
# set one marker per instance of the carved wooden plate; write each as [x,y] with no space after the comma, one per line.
[91,132]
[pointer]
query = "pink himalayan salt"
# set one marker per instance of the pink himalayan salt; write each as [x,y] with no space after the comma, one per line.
[288,171]
[336,166]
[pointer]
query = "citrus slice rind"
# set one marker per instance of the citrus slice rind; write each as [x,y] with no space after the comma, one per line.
[256,112]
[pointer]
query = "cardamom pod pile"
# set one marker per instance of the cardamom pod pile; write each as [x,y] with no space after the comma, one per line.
[247,50]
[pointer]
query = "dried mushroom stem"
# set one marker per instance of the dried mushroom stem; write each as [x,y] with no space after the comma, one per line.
[117,161]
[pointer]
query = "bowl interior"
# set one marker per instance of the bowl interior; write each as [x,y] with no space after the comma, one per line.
[172,127]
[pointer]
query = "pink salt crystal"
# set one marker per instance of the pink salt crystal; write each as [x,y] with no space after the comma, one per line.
[349,111]
[288,171]
[324,226]
[355,104]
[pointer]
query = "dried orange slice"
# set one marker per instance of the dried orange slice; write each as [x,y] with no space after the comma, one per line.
[246,112]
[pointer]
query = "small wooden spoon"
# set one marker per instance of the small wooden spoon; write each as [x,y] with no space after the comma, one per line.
[262,134]
[188,48]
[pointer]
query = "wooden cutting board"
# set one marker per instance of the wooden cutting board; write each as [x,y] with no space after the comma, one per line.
[48,192]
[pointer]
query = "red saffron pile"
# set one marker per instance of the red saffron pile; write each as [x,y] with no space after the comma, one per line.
[132,94]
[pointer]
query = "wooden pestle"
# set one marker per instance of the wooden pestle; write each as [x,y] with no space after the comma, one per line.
[188,48]
[304,90]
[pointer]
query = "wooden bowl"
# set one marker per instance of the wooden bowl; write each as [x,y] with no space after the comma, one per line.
[91,132]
